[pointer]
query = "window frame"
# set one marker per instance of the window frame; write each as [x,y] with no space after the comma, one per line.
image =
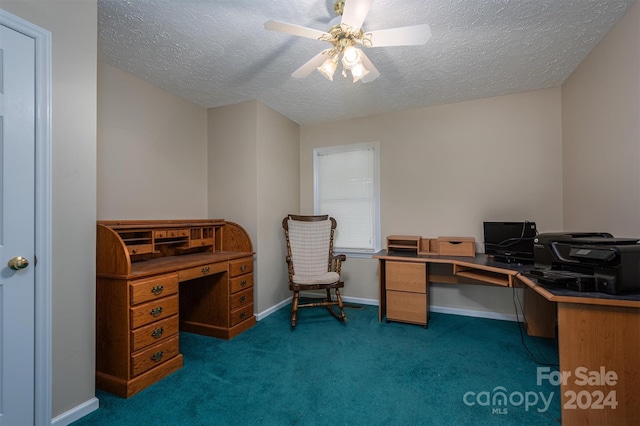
[375,146]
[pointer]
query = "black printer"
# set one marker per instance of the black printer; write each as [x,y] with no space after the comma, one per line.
[587,261]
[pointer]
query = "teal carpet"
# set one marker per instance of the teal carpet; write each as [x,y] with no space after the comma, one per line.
[360,373]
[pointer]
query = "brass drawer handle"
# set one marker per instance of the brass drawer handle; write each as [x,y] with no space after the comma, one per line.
[157,356]
[243,268]
[156,311]
[243,298]
[205,270]
[157,332]
[157,289]
[242,315]
[243,283]
[134,251]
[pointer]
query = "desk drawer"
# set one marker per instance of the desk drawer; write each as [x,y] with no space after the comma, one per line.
[202,271]
[407,307]
[241,298]
[456,246]
[240,266]
[174,233]
[406,276]
[140,248]
[241,314]
[241,283]
[153,311]
[153,288]
[201,242]
[154,333]
[154,356]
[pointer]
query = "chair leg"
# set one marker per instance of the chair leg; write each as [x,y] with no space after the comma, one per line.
[294,308]
[341,306]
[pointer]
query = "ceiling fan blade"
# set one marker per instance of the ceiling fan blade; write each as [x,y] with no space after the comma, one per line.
[403,36]
[310,65]
[354,12]
[294,29]
[373,72]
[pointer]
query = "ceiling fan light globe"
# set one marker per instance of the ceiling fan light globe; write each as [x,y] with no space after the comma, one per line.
[350,57]
[358,71]
[328,68]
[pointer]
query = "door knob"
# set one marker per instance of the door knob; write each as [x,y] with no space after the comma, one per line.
[17,263]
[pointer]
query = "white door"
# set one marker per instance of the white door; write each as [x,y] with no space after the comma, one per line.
[17,227]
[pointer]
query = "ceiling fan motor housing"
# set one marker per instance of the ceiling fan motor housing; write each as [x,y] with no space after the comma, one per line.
[342,36]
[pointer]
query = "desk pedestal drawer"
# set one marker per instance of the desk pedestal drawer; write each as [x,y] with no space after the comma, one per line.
[154,311]
[240,266]
[241,314]
[406,276]
[153,356]
[241,298]
[241,282]
[407,307]
[154,333]
[154,288]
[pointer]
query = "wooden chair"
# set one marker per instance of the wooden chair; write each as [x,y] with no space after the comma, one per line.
[311,262]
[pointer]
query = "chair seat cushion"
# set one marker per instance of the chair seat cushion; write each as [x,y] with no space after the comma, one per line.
[326,278]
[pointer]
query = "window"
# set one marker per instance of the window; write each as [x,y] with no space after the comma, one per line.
[346,187]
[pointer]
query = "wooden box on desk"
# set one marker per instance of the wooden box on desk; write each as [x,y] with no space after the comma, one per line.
[457,246]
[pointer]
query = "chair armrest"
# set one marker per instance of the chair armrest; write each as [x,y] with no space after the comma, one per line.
[337,262]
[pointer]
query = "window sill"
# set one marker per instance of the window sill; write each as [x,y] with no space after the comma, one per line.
[355,254]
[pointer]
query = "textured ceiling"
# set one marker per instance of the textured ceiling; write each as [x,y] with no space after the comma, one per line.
[216,52]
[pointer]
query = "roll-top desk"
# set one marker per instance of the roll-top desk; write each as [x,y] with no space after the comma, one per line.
[155,278]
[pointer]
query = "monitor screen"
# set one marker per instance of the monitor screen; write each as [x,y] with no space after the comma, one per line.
[510,241]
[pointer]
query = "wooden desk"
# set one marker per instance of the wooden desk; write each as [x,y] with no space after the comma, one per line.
[155,278]
[598,334]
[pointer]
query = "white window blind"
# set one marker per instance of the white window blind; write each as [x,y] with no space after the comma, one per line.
[346,188]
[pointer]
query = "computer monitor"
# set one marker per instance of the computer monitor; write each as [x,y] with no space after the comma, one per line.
[510,242]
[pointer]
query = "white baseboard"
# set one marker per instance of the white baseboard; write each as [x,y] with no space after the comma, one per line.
[373,302]
[262,315]
[76,413]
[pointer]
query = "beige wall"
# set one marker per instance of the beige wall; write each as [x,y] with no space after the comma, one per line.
[232,165]
[73,25]
[444,170]
[278,195]
[152,151]
[254,181]
[601,135]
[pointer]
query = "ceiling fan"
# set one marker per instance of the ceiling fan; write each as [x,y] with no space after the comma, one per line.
[344,34]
